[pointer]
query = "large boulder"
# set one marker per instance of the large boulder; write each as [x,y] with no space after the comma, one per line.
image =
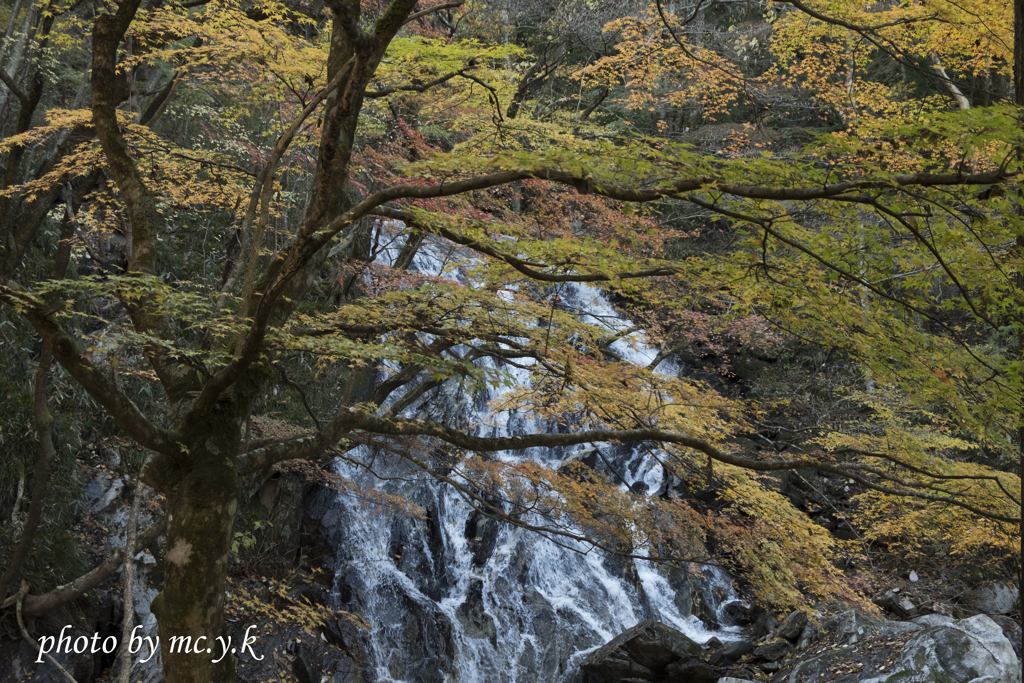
[643,652]
[936,649]
[737,612]
[774,650]
[1011,629]
[996,597]
[731,653]
[691,671]
[792,626]
[854,626]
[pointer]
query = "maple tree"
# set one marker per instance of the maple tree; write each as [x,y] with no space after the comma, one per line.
[847,245]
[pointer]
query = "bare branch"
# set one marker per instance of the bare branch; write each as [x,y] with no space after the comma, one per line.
[37,605]
[415,87]
[31,641]
[349,421]
[527,268]
[430,10]
[92,379]
[15,90]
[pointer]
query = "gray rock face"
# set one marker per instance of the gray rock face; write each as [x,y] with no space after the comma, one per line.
[103,498]
[897,604]
[792,626]
[762,621]
[102,491]
[936,649]
[737,612]
[693,672]
[289,653]
[731,653]
[997,597]
[1011,629]
[808,636]
[773,650]
[853,626]
[644,651]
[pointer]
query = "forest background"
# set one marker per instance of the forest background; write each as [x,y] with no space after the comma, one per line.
[210,209]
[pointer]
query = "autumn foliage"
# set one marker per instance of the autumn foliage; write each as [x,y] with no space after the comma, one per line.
[230,213]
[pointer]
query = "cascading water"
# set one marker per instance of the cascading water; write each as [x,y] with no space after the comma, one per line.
[459,598]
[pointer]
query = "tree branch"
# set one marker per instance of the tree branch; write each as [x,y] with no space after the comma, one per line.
[527,268]
[38,605]
[30,640]
[91,378]
[430,10]
[415,87]
[9,82]
[961,100]
[349,421]
[140,202]
[301,251]
[128,578]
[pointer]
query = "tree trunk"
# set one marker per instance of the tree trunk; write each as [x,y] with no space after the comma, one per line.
[200,512]
[1018,99]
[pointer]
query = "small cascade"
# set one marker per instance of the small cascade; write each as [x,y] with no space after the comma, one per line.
[459,598]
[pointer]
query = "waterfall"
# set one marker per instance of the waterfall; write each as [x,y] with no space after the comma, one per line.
[459,598]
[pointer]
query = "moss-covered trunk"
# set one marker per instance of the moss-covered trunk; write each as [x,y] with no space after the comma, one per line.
[201,512]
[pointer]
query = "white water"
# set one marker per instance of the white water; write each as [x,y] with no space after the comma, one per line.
[503,604]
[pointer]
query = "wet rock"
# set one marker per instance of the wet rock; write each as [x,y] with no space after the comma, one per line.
[644,651]
[473,615]
[587,456]
[731,653]
[792,626]
[737,612]
[997,597]
[730,679]
[827,520]
[773,650]
[18,661]
[282,496]
[690,596]
[762,621]
[713,644]
[852,626]
[482,537]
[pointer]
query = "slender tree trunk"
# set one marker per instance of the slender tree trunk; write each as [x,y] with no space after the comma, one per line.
[43,419]
[12,61]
